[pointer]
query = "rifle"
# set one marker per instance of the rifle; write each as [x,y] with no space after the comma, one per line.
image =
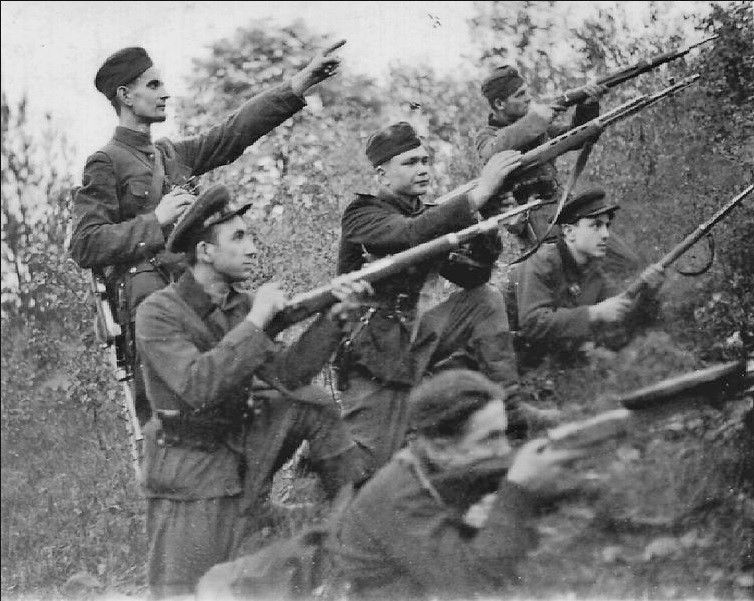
[113,339]
[303,305]
[575,138]
[577,95]
[697,389]
[638,286]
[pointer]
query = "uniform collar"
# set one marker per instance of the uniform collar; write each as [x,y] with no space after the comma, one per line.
[570,266]
[135,139]
[495,122]
[197,298]
[410,205]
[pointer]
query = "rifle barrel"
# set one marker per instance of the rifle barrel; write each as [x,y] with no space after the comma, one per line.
[577,95]
[305,304]
[638,285]
[705,227]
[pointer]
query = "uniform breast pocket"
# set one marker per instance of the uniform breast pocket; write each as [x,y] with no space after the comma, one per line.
[136,197]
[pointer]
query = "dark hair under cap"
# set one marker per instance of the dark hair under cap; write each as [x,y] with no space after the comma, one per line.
[589,203]
[501,83]
[211,207]
[391,141]
[120,69]
[441,405]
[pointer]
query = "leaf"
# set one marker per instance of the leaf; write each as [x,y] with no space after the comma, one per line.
[664,546]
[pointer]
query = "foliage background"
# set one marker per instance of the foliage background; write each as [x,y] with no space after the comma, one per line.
[71,519]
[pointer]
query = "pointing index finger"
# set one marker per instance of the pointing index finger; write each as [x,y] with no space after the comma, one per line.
[334,47]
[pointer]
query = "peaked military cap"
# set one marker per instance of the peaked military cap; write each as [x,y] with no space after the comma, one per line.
[589,203]
[439,405]
[501,83]
[391,141]
[213,206]
[120,69]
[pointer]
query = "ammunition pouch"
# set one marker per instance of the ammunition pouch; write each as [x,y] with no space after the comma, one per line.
[472,263]
[197,432]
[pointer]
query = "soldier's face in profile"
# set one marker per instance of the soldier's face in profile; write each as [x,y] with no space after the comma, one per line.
[483,436]
[233,252]
[149,97]
[589,236]
[517,104]
[407,174]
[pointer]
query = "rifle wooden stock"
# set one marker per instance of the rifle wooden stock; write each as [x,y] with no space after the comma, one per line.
[703,387]
[577,95]
[303,305]
[114,342]
[639,285]
[575,138]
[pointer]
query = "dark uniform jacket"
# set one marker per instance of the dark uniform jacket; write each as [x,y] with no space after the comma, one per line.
[113,211]
[386,224]
[198,361]
[525,134]
[403,537]
[552,293]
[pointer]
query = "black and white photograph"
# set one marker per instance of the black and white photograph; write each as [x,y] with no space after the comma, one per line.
[377,301]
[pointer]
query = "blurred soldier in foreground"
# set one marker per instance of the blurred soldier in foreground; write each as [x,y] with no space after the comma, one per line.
[417,529]
[559,300]
[518,123]
[132,193]
[390,350]
[230,405]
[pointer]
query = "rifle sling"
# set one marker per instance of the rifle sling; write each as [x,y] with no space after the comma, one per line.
[578,168]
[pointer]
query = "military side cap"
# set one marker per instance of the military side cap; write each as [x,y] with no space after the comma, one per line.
[391,141]
[439,405]
[213,206]
[501,83]
[589,203]
[120,69]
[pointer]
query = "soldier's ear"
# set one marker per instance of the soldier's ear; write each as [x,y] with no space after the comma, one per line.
[382,175]
[123,93]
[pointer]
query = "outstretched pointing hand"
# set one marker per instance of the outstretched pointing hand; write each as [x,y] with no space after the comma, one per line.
[321,67]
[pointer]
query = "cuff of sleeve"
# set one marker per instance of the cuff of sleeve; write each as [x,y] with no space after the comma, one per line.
[514,498]
[292,101]
[579,325]
[463,210]
[156,240]
[535,122]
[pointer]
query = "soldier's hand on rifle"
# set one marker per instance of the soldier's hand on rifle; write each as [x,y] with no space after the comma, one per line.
[539,468]
[653,276]
[493,176]
[269,299]
[173,205]
[594,92]
[610,310]
[322,66]
[352,296]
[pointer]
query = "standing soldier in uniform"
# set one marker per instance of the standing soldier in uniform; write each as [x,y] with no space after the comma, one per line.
[128,203]
[518,123]
[390,350]
[230,405]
